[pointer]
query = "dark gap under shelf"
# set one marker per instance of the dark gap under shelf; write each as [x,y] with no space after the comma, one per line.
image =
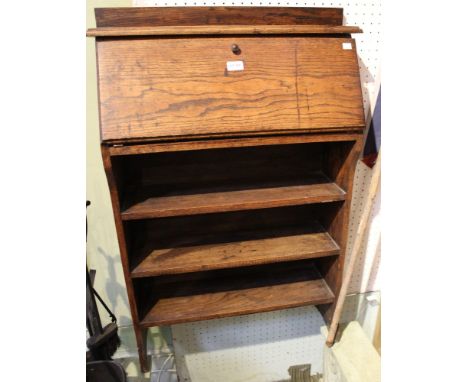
[185,244]
[317,188]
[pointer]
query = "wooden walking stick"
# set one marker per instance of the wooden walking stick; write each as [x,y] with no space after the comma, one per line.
[374,185]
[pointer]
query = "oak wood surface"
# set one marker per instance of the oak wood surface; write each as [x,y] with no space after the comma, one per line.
[215,180]
[156,88]
[113,179]
[208,144]
[353,255]
[237,200]
[163,16]
[340,165]
[215,188]
[238,249]
[243,292]
[215,228]
[222,30]
[353,130]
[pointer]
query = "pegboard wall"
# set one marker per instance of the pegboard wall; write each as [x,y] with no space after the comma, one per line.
[257,347]
[261,347]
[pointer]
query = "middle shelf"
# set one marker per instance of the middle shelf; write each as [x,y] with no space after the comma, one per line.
[197,243]
[235,250]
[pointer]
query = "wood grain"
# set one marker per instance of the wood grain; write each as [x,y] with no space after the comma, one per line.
[246,134]
[240,293]
[113,179]
[235,250]
[222,30]
[340,165]
[163,16]
[203,203]
[355,248]
[221,180]
[209,144]
[144,236]
[162,88]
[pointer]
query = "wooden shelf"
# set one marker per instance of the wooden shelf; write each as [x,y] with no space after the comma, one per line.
[224,30]
[203,201]
[243,291]
[208,252]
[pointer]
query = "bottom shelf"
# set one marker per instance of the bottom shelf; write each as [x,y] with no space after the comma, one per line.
[208,295]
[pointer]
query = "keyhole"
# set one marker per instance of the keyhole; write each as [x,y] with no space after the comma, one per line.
[235,49]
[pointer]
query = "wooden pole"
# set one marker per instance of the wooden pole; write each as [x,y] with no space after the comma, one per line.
[374,185]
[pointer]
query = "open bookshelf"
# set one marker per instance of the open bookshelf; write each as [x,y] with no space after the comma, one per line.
[217,232]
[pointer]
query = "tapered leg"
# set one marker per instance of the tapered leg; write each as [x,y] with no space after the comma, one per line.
[141,334]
